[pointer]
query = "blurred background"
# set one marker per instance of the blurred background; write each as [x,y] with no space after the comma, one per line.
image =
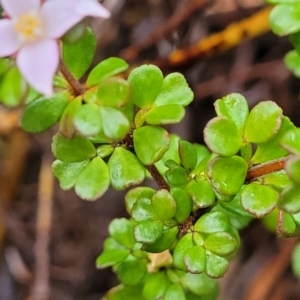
[221,46]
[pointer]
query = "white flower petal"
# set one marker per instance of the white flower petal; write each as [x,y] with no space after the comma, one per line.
[15,8]
[8,37]
[58,17]
[91,8]
[38,63]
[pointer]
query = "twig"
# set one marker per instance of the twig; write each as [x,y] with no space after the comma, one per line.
[265,168]
[230,37]
[77,88]
[265,281]
[182,14]
[41,288]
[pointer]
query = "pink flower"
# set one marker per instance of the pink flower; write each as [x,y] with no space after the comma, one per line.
[31,32]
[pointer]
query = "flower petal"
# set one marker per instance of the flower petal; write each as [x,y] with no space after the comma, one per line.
[15,8]
[91,8]
[8,37]
[38,63]
[58,17]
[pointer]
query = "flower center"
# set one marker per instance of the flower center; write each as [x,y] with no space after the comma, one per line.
[28,26]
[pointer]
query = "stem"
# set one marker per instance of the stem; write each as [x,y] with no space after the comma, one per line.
[77,88]
[265,168]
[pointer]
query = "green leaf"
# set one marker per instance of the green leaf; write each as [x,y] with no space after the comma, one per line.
[125,169]
[235,107]
[171,154]
[143,210]
[296,261]
[164,205]
[295,40]
[132,271]
[77,149]
[177,176]
[12,88]
[78,55]
[271,150]
[220,243]
[113,92]
[292,167]
[87,119]
[122,231]
[155,286]
[289,199]
[146,82]
[5,64]
[148,231]
[174,291]
[175,90]
[227,174]
[164,242]
[115,124]
[292,61]
[263,123]
[213,222]
[216,266]
[288,226]
[184,204]
[113,253]
[188,155]
[201,285]
[137,193]
[167,114]
[105,150]
[67,172]
[185,243]
[43,113]
[284,18]
[291,141]
[195,259]
[150,143]
[93,181]
[201,193]
[106,69]
[258,200]
[222,136]
[66,125]
[121,292]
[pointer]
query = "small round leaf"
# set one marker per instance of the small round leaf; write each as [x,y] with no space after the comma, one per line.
[150,143]
[201,193]
[195,259]
[167,114]
[164,205]
[146,82]
[41,114]
[87,119]
[227,174]
[222,136]
[106,69]
[72,150]
[93,181]
[263,122]
[125,169]
[220,243]
[67,172]
[148,231]
[137,193]
[184,204]
[289,199]
[216,266]
[258,200]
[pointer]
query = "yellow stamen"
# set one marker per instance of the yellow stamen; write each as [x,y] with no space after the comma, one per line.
[29,26]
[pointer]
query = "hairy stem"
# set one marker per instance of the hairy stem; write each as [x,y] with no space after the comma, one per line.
[265,168]
[78,89]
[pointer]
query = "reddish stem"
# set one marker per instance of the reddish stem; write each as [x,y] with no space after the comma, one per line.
[75,85]
[265,168]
